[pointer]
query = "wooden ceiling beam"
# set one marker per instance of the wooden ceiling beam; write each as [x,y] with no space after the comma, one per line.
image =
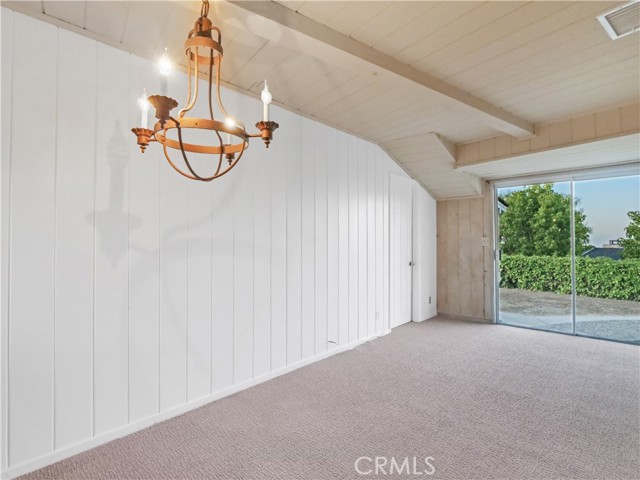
[280,24]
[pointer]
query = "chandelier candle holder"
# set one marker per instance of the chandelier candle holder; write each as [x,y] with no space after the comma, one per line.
[229,137]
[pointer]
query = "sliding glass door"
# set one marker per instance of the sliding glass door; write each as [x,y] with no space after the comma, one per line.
[568,256]
[608,273]
[535,256]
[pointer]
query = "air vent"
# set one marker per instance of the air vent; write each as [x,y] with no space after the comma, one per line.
[622,20]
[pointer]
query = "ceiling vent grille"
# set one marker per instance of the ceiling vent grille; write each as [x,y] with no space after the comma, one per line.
[622,20]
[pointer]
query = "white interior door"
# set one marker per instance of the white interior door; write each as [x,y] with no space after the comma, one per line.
[401,261]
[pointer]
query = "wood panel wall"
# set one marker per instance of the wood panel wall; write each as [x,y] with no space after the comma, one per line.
[608,123]
[465,266]
[129,292]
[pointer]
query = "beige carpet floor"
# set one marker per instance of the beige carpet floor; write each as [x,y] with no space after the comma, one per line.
[485,401]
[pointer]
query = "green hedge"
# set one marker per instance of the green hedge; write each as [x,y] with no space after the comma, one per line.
[595,277]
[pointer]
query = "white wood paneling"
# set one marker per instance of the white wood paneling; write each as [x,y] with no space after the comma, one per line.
[294,236]
[154,16]
[243,268]
[307,202]
[320,239]
[144,260]
[156,293]
[485,24]
[111,246]
[6,77]
[344,269]
[262,265]
[108,19]
[74,240]
[379,157]
[321,11]
[31,324]
[353,255]
[370,160]
[199,288]
[277,166]
[72,12]
[390,20]
[174,277]
[363,300]
[550,42]
[333,239]
[222,285]
[355,14]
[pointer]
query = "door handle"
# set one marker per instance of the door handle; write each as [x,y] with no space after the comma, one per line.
[411,264]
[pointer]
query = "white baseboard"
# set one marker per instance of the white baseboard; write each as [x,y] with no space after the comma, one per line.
[101,439]
[429,315]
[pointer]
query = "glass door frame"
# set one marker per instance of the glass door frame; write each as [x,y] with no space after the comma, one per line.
[569,176]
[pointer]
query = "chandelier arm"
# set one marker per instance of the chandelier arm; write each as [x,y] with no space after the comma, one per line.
[195,86]
[183,111]
[220,154]
[210,87]
[219,34]
[186,160]
[174,166]
[233,164]
[218,62]
[219,165]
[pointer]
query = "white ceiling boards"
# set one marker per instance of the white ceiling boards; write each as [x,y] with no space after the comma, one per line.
[395,71]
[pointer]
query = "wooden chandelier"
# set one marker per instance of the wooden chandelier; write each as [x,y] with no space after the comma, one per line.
[203,51]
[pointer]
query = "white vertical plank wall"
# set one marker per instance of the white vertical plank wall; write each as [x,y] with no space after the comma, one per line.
[6,52]
[111,248]
[174,275]
[222,265]
[277,178]
[144,263]
[362,238]
[130,294]
[32,229]
[344,305]
[320,240]
[371,238]
[333,227]
[262,265]
[292,123]
[74,242]
[309,144]
[353,255]
[244,267]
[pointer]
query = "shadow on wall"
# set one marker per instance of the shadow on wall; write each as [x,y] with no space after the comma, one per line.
[110,239]
[114,225]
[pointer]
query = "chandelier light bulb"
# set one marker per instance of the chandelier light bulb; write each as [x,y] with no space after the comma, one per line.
[229,123]
[266,94]
[164,64]
[266,100]
[144,105]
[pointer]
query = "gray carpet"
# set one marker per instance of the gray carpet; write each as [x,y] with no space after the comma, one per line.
[485,401]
